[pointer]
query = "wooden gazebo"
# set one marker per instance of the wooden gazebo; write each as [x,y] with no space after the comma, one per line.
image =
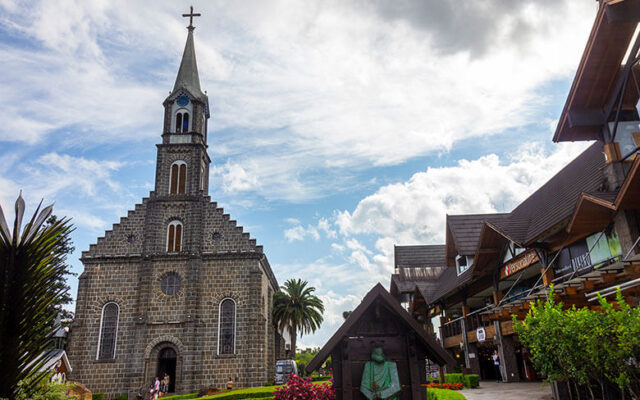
[380,321]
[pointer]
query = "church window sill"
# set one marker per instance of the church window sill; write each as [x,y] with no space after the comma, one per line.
[105,361]
[226,355]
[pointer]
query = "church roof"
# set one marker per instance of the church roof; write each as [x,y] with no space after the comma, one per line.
[188,78]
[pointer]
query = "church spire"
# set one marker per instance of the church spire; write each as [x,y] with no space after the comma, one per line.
[188,77]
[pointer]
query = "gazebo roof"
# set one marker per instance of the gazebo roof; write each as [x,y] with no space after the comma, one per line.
[379,294]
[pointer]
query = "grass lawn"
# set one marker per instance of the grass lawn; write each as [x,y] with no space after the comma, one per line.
[443,394]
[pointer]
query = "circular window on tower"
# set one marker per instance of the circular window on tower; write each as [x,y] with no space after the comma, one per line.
[170,284]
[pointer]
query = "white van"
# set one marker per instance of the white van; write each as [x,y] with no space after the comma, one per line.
[284,368]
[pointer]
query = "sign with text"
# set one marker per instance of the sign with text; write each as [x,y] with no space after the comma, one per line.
[592,251]
[519,263]
[481,335]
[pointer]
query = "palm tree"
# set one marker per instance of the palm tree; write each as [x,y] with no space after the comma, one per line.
[32,266]
[296,308]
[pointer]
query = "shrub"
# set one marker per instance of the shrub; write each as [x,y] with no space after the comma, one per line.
[320,378]
[299,388]
[268,383]
[443,394]
[471,381]
[182,397]
[454,378]
[97,396]
[123,396]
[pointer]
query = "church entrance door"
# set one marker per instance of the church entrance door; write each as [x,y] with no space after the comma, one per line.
[167,364]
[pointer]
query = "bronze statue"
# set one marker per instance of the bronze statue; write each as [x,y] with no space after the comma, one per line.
[380,378]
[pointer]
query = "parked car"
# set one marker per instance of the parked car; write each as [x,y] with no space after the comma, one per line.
[283,369]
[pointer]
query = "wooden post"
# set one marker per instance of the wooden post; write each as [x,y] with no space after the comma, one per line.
[547,277]
[612,151]
[497,296]
[441,374]
[413,367]
[465,310]
[347,387]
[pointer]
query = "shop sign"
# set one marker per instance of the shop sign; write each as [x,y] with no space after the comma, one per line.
[481,335]
[577,256]
[519,263]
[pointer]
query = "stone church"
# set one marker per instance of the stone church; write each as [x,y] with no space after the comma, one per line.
[176,286]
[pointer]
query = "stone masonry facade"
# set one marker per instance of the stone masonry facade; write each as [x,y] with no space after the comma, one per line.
[217,260]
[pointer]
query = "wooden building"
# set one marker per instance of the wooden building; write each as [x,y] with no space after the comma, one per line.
[380,322]
[580,231]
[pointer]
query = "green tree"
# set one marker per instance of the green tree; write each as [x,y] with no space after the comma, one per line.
[32,289]
[584,346]
[296,308]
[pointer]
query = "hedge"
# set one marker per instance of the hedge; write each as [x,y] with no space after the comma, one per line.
[444,394]
[251,393]
[123,396]
[181,396]
[471,381]
[454,378]
[97,396]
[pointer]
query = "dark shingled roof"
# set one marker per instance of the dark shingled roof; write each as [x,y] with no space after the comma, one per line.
[466,229]
[556,199]
[417,265]
[188,77]
[448,281]
[401,285]
[420,256]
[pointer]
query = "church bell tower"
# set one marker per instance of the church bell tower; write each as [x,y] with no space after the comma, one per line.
[183,163]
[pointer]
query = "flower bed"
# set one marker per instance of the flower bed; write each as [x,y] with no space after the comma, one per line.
[447,386]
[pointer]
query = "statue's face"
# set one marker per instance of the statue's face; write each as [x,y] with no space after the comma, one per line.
[377,355]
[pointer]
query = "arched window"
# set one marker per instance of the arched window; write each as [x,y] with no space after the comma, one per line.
[202,177]
[108,331]
[174,236]
[182,121]
[178,178]
[227,327]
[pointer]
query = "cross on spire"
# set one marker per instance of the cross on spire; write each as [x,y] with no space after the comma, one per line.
[191,15]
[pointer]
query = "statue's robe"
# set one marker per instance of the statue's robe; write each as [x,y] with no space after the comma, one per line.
[380,381]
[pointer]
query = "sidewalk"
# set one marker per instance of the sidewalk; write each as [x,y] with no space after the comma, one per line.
[489,390]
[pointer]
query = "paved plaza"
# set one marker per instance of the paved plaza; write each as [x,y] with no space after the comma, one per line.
[513,391]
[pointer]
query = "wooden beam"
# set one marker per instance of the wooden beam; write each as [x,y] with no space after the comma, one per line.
[588,117]
[489,251]
[623,11]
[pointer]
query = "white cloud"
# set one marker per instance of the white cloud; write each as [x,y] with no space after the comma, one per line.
[299,232]
[63,179]
[298,89]
[235,178]
[414,212]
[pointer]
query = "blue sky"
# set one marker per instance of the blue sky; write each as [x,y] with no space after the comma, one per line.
[338,128]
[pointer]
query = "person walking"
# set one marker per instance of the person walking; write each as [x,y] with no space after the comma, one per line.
[496,366]
[156,388]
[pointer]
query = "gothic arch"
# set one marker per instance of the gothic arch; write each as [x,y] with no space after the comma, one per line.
[108,298]
[169,339]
